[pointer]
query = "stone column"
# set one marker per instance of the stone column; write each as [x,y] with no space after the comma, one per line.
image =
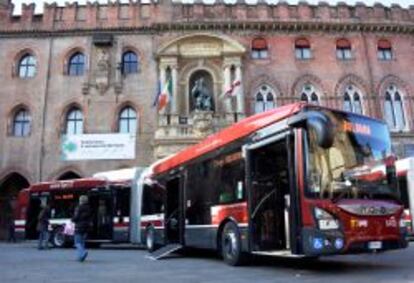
[174,108]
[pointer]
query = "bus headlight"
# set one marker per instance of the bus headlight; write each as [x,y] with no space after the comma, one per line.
[326,221]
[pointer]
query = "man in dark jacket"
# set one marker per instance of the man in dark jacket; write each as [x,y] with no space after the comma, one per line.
[43,227]
[82,219]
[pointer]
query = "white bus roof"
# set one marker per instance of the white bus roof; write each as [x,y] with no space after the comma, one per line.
[117,175]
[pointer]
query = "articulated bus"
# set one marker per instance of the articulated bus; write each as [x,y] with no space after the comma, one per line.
[113,198]
[293,181]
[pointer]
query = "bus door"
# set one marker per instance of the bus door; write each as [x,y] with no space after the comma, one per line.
[35,206]
[269,182]
[174,212]
[101,205]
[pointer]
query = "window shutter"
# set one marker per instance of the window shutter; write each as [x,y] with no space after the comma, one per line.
[259,44]
[302,43]
[343,43]
[384,44]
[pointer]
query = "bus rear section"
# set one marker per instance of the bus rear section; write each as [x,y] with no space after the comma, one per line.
[303,181]
[109,203]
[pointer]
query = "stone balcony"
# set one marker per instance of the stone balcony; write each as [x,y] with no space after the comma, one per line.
[176,132]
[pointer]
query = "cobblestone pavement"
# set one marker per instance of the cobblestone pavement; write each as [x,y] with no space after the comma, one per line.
[22,262]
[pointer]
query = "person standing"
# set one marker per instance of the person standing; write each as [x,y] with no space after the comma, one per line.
[43,227]
[82,220]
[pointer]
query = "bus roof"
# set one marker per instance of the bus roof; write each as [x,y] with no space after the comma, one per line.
[126,174]
[227,135]
[81,184]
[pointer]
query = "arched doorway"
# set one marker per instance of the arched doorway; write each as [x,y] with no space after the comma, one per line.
[9,189]
[69,175]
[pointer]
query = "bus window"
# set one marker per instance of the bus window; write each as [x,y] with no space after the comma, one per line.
[63,205]
[152,200]
[122,205]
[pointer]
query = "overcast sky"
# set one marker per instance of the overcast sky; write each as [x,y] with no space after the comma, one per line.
[39,3]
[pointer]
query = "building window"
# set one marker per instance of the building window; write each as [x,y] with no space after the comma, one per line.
[309,95]
[129,63]
[127,122]
[76,65]
[394,109]
[74,122]
[21,123]
[265,99]
[343,49]
[352,100]
[384,50]
[27,66]
[259,48]
[303,49]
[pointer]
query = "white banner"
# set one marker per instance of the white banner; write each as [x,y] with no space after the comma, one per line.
[98,146]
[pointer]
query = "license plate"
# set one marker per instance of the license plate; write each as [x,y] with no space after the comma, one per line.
[375,245]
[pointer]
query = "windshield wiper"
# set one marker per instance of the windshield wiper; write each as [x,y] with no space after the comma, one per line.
[345,188]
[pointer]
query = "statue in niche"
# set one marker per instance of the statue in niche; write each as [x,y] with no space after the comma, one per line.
[202,97]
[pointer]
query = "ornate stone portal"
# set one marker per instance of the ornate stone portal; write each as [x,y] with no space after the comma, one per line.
[202,68]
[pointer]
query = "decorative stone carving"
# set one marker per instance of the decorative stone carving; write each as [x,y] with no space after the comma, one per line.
[102,71]
[202,123]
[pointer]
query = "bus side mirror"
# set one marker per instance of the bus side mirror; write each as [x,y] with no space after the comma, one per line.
[320,123]
[324,130]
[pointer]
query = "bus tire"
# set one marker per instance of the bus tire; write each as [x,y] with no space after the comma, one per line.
[150,239]
[231,245]
[58,238]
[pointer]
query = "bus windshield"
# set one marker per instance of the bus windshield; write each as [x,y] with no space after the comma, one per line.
[355,165]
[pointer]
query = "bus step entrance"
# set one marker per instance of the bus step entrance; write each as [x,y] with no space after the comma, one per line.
[164,251]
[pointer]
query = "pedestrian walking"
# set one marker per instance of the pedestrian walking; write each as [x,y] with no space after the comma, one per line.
[82,220]
[12,236]
[43,227]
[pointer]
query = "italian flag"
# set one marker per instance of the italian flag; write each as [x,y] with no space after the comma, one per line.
[165,96]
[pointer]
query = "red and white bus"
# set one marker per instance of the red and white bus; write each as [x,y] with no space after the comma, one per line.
[113,198]
[293,181]
[405,172]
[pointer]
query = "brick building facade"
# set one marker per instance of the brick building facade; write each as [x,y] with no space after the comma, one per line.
[97,68]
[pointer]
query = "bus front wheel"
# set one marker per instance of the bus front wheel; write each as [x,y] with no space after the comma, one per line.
[231,246]
[59,238]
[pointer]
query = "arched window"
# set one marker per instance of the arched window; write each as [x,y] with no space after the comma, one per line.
[309,95]
[265,99]
[129,63]
[394,109]
[127,121]
[76,66]
[352,100]
[303,49]
[259,48]
[74,122]
[21,123]
[27,66]
[343,49]
[384,50]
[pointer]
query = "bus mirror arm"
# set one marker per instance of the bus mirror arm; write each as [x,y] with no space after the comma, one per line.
[319,122]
